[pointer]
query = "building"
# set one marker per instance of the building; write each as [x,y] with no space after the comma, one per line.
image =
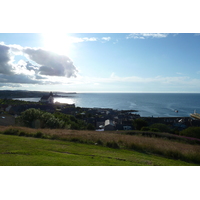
[109,125]
[47,98]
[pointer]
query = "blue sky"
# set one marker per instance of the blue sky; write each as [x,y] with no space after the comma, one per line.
[100,62]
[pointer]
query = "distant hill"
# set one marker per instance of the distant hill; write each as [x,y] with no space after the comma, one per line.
[25,93]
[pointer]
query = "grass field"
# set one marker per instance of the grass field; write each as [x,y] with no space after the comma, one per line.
[29,151]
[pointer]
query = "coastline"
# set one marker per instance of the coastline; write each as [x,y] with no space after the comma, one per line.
[147,104]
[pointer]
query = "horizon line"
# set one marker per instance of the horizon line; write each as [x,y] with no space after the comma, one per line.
[180,92]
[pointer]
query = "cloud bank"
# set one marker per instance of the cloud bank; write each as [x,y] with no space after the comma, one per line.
[51,64]
[5,60]
[41,67]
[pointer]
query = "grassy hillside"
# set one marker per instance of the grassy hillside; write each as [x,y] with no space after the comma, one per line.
[88,148]
[27,151]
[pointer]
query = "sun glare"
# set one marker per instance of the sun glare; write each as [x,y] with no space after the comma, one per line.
[57,42]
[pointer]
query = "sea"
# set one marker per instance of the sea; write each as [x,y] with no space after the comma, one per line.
[147,104]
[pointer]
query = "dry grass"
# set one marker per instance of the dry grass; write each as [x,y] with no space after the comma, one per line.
[167,148]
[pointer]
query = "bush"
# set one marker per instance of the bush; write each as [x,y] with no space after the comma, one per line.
[55,137]
[29,116]
[136,147]
[155,130]
[139,123]
[145,128]
[71,122]
[30,135]
[75,126]
[191,132]
[112,145]
[38,134]
[90,127]
[11,131]
[160,127]
[36,118]
[174,154]
[99,142]
[22,133]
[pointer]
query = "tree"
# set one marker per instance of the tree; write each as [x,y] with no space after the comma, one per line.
[90,127]
[50,121]
[160,127]
[36,118]
[139,123]
[29,116]
[71,121]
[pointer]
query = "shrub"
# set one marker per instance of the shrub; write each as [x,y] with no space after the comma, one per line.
[29,116]
[154,129]
[112,145]
[90,127]
[191,132]
[38,134]
[70,122]
[11,131]
[136,147]
[139,123]
[160,127]
[75,126]
[36,118]
[145,128]
[54,137]
[22,133]
[99,142]
[174,154]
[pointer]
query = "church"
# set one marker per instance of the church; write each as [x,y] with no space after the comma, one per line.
[47,98]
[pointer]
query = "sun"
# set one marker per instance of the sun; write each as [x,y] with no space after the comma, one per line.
[57,42]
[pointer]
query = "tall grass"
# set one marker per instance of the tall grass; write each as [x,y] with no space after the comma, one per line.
[160,146]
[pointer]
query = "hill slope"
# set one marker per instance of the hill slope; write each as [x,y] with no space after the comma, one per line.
[28,151]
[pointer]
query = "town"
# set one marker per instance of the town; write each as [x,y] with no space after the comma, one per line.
[101,119]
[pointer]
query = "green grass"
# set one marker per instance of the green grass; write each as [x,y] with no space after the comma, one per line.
[29,151]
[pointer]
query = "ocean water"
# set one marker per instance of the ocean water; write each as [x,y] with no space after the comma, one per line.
[147,104]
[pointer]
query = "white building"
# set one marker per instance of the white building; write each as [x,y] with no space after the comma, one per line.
[109,125]
[47,98]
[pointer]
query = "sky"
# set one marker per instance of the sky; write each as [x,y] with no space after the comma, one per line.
[101,47]
[100,62]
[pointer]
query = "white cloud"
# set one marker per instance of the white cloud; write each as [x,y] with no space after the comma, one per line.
[6,66]
[47,65]
[92,39]
[20,68]
[51,64]
[106,38]
[9,85]
[146,35]
[85,39]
